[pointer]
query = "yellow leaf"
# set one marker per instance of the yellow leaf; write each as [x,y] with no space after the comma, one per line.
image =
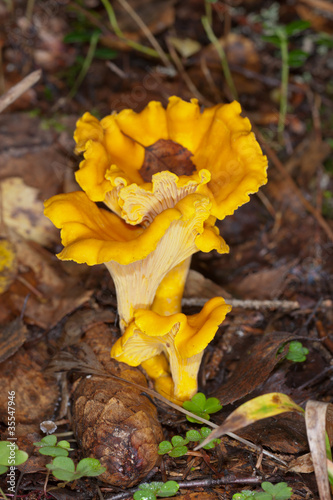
[258,408]
[8,264]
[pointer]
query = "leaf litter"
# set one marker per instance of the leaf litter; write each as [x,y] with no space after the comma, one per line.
[280,250]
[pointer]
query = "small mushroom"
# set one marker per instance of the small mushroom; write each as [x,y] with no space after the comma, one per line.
[137,258]
[182,339]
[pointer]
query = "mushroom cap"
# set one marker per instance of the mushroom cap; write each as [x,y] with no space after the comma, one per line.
[94,235]
[212,152]
[181,338]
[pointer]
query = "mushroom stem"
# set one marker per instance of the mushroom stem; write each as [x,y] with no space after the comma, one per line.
[169,294]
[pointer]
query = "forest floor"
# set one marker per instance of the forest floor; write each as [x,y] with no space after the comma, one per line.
[277,275]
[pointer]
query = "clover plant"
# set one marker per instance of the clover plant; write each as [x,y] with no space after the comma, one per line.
[49,446]
[149,491]
[177,447]
[296,352]
[63,468]
[10,455]
[279,35]
[279,491]
[201,406]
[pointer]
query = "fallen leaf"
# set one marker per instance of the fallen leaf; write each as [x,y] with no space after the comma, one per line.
[8,263]
[254,368]
[302,464]
[12,336]
[23,211]
[36,394]
[185,46]
[282,433]
[53,293]
[255,409]
[319,419]
[166,155]
[264,284]
[33,153]
[197,286]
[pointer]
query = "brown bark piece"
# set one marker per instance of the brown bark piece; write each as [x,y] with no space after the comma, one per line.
[113,421]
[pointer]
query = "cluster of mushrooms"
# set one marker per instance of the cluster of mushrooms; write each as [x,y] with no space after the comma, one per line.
[165,176]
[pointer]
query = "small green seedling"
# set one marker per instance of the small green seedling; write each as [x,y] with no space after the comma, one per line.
[243,495]
[49,446]
[63,468]
[199,436]
[10,455]
[177,447]
[201,406]
[279,491]
[296,353]
[279,35]
[149,491]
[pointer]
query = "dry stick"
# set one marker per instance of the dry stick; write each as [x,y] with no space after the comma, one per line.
[198,483]
[184,75]
[285,305]
[278,164]
[320,4]
[146,31]
[209,78]
[12,94]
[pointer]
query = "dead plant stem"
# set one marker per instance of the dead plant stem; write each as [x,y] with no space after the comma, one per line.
[280,167]
[223,58]
[163,56]
[192,88]
[131,43]
[13,93]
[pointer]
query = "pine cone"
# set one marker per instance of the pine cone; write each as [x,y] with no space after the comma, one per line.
[113,421]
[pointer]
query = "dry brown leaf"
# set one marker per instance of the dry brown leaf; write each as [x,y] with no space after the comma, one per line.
[254,368]
[264,284]
[36,395]
[32,152]
[264,406]
[12,336]
[53,293]
[302,464]
[318,419]
[166,155]
[185,46]
[23,211]
[197,286]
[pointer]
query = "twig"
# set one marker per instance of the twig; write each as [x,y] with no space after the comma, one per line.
[146,31]
[12,94]
[278,164]
[84,367]
[200,483]
[114,23]
[192,88]
[285,305]
[223,58]
[86,65]
[29,10]
[2,76]
[118,71]
[210,80]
